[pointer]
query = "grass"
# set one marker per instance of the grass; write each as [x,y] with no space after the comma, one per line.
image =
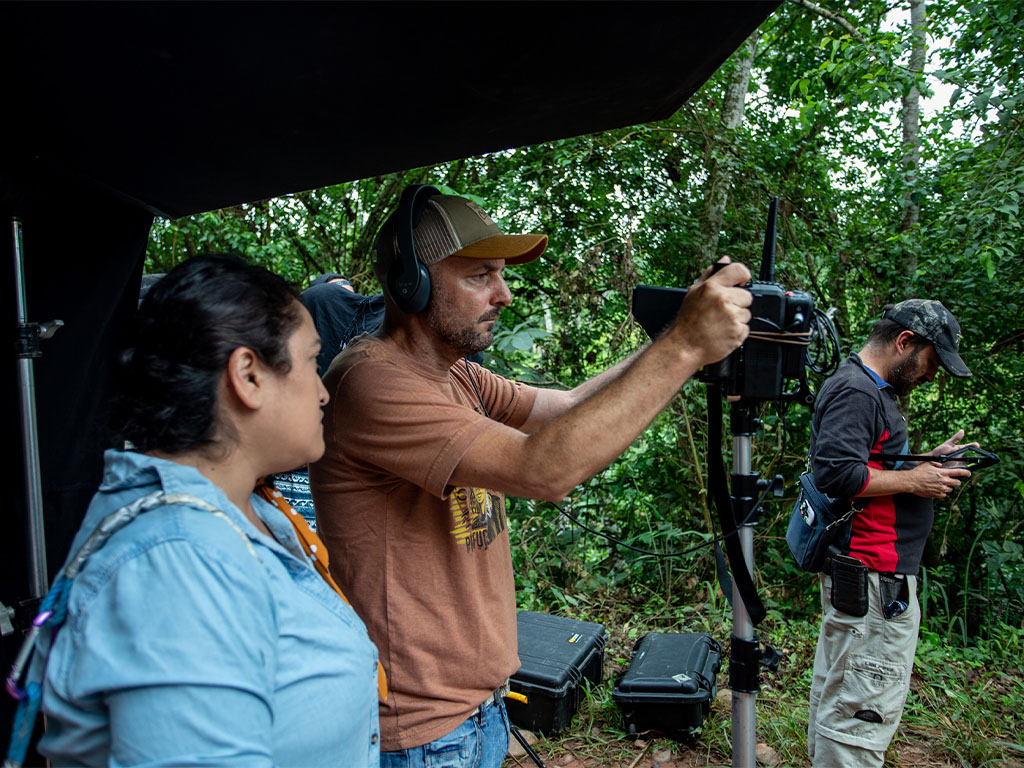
[965,707]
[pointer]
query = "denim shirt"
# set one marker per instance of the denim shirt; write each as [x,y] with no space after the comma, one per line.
[194,640]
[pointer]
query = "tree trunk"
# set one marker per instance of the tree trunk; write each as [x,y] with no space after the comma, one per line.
[911,130]
[723,163]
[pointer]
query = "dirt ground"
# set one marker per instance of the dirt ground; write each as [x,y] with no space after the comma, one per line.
[658,755]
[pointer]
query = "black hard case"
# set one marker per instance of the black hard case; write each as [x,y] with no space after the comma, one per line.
[670,683]
[556,654]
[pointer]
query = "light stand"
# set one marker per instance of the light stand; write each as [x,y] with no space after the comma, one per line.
[774,352]
[28,348]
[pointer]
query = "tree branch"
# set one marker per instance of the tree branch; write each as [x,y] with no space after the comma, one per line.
[832,16]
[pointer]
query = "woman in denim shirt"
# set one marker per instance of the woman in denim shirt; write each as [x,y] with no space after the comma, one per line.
[203,634]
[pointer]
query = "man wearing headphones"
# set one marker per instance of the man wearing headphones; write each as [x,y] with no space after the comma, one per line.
[422,447]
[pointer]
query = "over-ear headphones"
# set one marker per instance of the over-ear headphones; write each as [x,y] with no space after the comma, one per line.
[408,280]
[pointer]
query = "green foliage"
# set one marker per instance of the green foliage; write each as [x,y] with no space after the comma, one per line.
[821,129]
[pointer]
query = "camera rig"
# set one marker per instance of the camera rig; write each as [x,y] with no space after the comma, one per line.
[783,325]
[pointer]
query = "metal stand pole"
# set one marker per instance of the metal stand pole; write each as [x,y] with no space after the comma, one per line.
[29,335]
[744,679]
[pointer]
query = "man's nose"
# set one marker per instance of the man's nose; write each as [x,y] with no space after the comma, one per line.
[502,295]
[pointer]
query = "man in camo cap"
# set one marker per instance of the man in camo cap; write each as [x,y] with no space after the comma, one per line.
[871,616]
[932,321]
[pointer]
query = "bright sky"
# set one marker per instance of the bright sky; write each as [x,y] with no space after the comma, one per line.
[899,17]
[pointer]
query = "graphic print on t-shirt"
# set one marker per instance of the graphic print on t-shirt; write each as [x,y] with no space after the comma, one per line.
[479,516]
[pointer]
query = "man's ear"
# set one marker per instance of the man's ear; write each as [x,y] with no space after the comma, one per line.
[904,341]
[245,377]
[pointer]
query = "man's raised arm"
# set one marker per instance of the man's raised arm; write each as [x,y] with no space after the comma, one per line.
[579,436]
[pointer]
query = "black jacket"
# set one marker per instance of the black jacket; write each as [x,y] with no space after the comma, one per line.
[854,417]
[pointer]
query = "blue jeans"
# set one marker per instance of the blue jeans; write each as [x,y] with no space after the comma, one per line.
[480,742]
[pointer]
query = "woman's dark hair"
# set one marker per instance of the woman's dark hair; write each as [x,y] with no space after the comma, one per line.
[189,324]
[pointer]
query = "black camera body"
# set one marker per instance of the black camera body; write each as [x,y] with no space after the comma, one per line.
[759,368]
[780,331]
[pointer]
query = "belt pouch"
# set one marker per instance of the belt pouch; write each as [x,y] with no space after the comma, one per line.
[849,586]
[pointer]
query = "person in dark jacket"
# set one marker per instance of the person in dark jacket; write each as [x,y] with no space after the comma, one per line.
[871,616]
[339,314]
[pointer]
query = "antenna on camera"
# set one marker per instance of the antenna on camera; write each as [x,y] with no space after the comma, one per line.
[768,251]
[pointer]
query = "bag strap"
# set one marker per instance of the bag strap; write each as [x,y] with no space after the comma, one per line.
[317,552]
[853,509]
[54,607]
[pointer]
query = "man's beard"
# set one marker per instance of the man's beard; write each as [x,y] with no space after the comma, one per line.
[466,340]
[902,377]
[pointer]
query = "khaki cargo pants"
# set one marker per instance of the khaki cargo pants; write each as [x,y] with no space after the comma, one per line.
[862,672]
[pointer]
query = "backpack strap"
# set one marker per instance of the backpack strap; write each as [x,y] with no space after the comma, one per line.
[53,609]
[316,551]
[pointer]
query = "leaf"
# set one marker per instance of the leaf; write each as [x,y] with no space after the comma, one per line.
[522,341]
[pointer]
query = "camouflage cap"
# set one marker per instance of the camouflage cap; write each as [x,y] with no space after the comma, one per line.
[934,322]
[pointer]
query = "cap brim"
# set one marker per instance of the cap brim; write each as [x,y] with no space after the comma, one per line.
[953,363]
[514,249]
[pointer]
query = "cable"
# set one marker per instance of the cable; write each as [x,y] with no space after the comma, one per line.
[473,382]
[783,337]
[823,352]
[681,553]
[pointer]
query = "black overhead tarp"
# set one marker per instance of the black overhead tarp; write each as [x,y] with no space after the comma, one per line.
[114,112]
[184,107]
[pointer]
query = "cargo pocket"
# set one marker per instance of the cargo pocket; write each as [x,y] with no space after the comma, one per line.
[869,703]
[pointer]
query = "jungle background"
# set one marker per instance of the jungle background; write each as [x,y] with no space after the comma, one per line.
[891,132]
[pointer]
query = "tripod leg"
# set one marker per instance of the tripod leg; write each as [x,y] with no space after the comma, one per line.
[529,750]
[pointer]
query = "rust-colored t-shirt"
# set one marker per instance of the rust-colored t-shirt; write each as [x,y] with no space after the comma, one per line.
[427,566]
